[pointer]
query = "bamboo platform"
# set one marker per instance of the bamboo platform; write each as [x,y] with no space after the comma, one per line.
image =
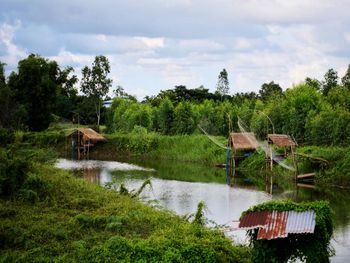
[306,176]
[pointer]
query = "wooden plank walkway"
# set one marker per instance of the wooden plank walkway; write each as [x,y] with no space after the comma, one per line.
[311,186]
[308,175]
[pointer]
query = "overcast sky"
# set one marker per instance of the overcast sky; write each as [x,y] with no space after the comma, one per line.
[153,45]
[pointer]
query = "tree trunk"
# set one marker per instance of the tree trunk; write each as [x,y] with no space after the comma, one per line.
[98,113]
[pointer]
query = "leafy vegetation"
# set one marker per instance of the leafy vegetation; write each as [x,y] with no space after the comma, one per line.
[187,148]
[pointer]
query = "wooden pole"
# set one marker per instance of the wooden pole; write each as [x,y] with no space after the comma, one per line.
[271,184]
[271,159]
[88,149]
[295,164]
[78,145]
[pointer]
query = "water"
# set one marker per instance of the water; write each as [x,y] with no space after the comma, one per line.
[181,186]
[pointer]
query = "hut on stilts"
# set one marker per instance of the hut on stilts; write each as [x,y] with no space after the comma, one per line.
[240,146]
[81,140]
[284,143]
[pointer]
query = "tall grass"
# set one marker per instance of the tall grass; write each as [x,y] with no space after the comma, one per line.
[187,148]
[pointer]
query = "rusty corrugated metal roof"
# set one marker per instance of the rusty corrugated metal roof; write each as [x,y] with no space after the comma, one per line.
[281,140]
[243,141]
[253,220]
[275,224]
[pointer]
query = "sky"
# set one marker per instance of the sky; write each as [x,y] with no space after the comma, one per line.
[154,45]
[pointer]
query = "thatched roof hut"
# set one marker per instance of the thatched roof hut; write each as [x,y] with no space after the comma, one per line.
[82,140]
[87,134]
[281,140]
[243,141]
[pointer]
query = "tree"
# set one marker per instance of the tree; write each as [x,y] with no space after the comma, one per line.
[222,87]
[166,116]
[330,81]
[184,122]
[2,75]
[346,79]
[269,90]
[95,82]
[35,91]
[6,108]
[67,93]
[313,83]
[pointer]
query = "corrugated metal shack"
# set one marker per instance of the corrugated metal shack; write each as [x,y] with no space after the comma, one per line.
[81,140]
[240,146]
[275,224]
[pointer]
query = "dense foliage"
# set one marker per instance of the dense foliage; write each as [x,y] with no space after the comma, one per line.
[194,148]
[305,111]
[314,112]
[310,247]
[40,89]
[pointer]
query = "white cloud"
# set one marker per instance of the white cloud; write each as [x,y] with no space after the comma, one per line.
[156,44]
[200,44]
[12,52]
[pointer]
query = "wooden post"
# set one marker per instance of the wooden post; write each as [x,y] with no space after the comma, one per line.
[78,144]
[234,164]
[88,149]
[295,164]
[271,159]
[271,184]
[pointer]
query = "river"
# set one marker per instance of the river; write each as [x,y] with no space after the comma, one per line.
[181,186]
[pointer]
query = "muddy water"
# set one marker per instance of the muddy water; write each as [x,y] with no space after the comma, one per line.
[179,187]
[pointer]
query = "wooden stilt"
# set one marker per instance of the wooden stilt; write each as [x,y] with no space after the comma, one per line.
[271,159]
[271,184]
[78,146]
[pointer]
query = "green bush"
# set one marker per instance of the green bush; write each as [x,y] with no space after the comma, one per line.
[35,188]
[13,172]
[44,139]
[6,137]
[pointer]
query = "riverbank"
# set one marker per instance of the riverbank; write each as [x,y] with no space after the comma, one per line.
[197,149]
[183,148]
[53,216]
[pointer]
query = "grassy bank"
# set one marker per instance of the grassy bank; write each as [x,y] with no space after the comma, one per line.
[186,148]
[53,216]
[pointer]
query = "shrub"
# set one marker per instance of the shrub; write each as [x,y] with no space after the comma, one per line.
[6,137]
[13,171]
[35,188]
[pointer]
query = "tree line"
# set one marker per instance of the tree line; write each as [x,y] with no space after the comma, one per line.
[40,91]
[313,112]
